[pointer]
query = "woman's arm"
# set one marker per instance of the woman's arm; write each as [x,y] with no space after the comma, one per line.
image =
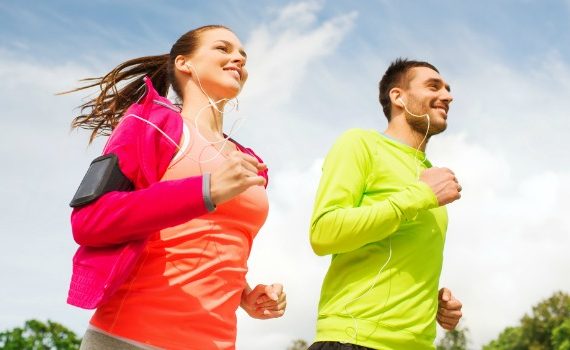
[117,217]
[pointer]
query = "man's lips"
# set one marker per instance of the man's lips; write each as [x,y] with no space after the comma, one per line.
[442,108]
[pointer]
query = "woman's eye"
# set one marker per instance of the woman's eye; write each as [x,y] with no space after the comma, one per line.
[222,48]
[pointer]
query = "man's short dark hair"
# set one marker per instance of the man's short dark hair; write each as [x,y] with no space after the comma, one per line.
[397,75]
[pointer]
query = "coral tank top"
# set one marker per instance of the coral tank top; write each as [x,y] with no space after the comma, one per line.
[187,285]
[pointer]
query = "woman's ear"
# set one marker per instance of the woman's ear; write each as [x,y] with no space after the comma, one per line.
[183,64]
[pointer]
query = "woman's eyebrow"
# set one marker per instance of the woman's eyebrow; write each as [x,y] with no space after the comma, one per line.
[241,50]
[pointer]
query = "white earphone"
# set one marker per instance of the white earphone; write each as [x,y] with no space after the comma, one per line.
[401,100]
[352,332]
[410,113]
[189,65]
[212,104]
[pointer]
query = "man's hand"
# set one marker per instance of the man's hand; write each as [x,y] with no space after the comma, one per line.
[264,301]
[449,310]
[443,183]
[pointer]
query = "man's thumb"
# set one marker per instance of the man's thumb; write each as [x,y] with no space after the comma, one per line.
[445,294]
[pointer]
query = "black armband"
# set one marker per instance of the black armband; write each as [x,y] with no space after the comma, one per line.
[103,175]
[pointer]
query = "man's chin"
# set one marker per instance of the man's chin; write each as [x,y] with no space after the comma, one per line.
[437,128]
[420,126]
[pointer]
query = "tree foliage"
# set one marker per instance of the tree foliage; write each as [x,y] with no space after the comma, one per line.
[298,344]
[561,336]
[456,339]
[547,328]
[36,335]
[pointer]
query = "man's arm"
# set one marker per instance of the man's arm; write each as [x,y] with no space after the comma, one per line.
[339,222]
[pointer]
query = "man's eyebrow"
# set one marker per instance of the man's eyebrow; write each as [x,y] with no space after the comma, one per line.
[438,82]
[241,51]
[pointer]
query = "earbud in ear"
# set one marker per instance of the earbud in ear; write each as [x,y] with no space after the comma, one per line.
[401,101]
[189,66]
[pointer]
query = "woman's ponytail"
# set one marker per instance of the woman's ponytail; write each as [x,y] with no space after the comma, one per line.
[120,88]
[124,85]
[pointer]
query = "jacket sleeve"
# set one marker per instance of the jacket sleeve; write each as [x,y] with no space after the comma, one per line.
[118,217]
[339,222]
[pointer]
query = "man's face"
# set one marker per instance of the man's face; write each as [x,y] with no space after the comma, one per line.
[427,93]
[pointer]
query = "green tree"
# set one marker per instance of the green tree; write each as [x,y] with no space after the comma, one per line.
[36,335]
[511,338]
[547,328]
[298,344]
[456,339]
[561,336]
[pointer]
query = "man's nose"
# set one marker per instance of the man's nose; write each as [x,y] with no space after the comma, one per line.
[447,96]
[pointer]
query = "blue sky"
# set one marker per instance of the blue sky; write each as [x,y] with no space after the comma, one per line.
[59,28]
[314,68]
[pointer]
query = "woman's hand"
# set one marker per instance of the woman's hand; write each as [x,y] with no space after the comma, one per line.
[264,301]
[238,173]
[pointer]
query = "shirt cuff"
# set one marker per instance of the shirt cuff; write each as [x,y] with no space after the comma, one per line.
[206,194]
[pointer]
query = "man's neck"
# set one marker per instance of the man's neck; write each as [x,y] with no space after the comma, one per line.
[399,129]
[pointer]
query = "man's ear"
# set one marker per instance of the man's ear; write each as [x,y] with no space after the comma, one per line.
[396,97]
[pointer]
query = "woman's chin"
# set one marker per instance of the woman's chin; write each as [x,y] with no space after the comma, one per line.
[231,91]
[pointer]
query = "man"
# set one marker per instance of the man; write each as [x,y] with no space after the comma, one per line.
[380,211]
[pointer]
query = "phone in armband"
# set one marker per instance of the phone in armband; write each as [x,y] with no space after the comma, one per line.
[103,175]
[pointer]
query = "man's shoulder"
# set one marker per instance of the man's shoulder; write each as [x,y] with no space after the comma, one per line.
[359,134]
[355,144]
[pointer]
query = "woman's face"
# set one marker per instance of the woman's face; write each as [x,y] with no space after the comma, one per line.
[219,64]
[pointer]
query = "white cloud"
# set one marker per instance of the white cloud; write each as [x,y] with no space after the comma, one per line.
[282,50]
[282,254]
[43,164]
[301,13]
[517,109]
[507,239]
[39,122]
[505,249]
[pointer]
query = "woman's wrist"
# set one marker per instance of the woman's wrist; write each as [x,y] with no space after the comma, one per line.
[207,192]
[245,292]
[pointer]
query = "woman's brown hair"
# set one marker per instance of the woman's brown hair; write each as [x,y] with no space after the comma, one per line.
[124,85]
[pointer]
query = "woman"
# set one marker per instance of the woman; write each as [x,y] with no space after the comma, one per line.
[165,263]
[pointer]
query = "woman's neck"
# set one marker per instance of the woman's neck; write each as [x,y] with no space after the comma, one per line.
[209,118]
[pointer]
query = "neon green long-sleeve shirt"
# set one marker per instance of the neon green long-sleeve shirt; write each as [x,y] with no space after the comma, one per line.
[371,211]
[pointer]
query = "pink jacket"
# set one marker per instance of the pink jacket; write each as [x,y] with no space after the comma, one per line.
[113,230]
